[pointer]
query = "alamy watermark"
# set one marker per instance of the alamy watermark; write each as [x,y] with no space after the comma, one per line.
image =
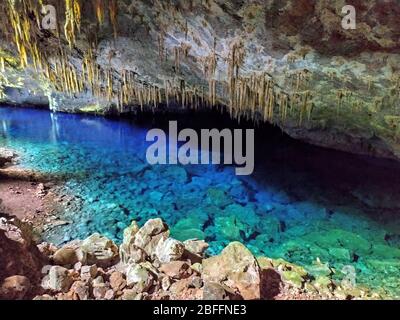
[349,20]
[49,21]
[204,149]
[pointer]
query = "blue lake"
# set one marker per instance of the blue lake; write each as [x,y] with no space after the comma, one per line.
[307,205]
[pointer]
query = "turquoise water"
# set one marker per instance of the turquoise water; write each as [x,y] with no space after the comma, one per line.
[302,203]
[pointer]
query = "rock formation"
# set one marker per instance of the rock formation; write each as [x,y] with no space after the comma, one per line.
[91,270]
[290,63]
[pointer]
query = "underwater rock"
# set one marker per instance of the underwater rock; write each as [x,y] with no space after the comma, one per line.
[341,238]
[100,250]
[386,252]
[340,254]
[218,198]
[191,226]
[231,228]
[235,268]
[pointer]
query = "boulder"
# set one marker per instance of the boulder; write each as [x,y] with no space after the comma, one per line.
[196,246]
[6,156]
[100,250]
[15,288]
[148,237]
[80,290]
[59,279]
[214,292]
[67,256]
[125,249]
[169,250]
[235,268]
[18,253]
[117,281]
[88,272]
[139,278]
[177,269]
[184,290]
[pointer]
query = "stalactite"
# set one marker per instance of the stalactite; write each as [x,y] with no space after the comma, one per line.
[161,45]
[72,20]
[100,10]
[113,9]
[3,64]
[177,59]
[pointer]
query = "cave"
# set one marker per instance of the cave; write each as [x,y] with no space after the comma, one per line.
[294,194]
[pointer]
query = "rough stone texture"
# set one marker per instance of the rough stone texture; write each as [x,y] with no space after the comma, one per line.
[237,269]
[19,254]
[59,279]
[233,275]
[148,237]
[139,277]
[100,250]
[14,288]
[169,250]
[6,156]
[352,75]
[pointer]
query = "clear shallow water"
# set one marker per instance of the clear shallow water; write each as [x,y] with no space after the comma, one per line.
[302,203]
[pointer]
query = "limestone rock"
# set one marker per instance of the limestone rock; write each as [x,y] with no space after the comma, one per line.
[88,272]
[148,237]
[117,281]
[195,246]
[67,256]
[18,252]
[139,278]
[14,288]
[100,250]
[176,269]
[236,268]
[59,279]
[214,292]
[169,250]
[6,156]
[81,290]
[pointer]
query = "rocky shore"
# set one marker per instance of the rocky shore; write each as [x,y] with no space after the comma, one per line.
[150,265]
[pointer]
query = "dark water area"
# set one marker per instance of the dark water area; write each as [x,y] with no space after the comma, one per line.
[311,206]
